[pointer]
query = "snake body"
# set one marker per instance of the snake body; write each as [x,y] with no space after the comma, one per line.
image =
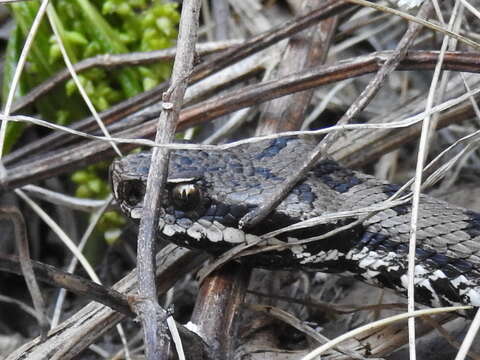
[208,192]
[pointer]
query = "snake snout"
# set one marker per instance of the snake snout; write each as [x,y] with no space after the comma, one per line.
[133,191]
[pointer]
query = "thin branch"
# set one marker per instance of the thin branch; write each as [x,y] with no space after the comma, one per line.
[26,265]
[218,305]
[76,284]
[155,334]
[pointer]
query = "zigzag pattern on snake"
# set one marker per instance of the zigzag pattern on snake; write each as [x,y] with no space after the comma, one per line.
[208,192]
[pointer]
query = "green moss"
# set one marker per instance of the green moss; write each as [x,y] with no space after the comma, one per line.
[88,28]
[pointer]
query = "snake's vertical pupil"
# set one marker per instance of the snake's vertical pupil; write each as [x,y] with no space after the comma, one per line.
[186,196]
[133,192]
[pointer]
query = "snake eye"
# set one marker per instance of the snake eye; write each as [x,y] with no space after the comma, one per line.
[133,192]
[186,196]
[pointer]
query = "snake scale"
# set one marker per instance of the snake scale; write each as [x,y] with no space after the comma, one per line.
[208,192]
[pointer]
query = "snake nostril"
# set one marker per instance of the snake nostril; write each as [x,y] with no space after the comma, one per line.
[133,192]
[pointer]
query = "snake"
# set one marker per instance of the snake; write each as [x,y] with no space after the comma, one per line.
[208,192]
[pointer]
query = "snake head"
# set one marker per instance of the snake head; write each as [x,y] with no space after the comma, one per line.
[128,177]
[197,194]
[208,192]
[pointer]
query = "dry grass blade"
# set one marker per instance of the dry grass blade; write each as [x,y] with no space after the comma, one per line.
[78,256]
[18,71]
[61,234]
[387,68]
[425,23]
[422,154]
[27,268]
[28,309]
[469,338]
[172,326]
[53,23]
[301,326]
[318,351]
[57,198]
[73,263]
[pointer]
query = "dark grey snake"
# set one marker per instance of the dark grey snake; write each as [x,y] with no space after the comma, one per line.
[208,192]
